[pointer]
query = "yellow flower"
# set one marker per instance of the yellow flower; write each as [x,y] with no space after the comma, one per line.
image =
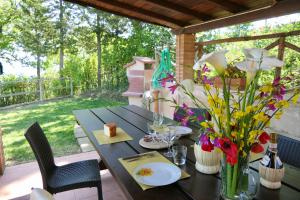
[204,124]
[283,104]
[278,114]
[295,98]
[226,73]
[234,134]
[242,135]
[249,109]
[210,101]
[217,111]
[260,117]
[236,106]
[266,88]
[238,114]
[252,137]
[242,145]
[268,124]
[244,154]
[207,86]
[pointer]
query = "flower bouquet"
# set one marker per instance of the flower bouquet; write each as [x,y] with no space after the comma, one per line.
[239,118]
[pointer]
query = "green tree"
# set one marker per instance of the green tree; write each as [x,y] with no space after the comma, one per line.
[7,36]
[104,26]
[36,30]
[65,15]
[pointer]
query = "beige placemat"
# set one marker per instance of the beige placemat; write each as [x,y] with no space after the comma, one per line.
[130,166]
[120,137]
[255,156]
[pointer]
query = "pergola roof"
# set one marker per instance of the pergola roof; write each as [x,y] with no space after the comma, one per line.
[191,16]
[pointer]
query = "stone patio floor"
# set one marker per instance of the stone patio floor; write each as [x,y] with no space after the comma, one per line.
[17,181]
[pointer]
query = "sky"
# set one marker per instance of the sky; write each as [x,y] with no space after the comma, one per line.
[16,68]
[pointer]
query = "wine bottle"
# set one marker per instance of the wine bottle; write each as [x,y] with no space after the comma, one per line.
[271,169]
[271,159]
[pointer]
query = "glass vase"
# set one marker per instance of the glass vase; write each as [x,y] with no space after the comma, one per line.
[238,181]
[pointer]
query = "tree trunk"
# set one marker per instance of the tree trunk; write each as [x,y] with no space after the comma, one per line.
[99,51]
[38,66]
[38,73]
[61,37]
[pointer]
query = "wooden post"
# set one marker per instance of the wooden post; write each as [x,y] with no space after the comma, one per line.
[71,87]
[199,55]
[155,101]
[2,159]
[280,55]
[185,55]
[200,51]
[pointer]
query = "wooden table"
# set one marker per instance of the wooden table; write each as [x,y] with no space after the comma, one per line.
[134,120]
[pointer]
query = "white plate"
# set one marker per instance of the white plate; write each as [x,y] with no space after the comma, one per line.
[183,130]
[163,174]
[153,144]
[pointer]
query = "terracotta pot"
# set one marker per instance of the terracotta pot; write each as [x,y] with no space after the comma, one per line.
[235,83]
[207,162]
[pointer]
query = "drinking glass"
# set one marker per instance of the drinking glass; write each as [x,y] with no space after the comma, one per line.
[179,154]
[151,130]
[158,119]
[169,137]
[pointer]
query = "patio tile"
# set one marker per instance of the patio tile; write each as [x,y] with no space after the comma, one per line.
[85,144]
[17,181]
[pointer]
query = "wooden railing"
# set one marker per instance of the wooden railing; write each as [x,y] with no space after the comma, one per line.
[280,42]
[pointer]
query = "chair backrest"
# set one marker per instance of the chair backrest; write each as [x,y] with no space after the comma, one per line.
[179,113]
[288,150]
[42,150]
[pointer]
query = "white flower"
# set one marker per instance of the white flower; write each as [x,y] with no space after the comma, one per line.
[255,53]
[216,59]
[257,59]
[197,65]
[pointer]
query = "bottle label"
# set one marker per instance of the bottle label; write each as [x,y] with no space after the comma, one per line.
[278,161]
[273,145]
[265,160]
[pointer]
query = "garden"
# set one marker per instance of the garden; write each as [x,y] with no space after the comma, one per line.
[57,120]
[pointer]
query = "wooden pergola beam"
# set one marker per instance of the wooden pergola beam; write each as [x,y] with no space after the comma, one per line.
[249,38]
[229,6]
[116,13]
[181,9]
[283,7]
[142,11]
[132,11]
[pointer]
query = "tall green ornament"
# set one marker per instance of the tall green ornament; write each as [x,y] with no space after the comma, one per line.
[165,67]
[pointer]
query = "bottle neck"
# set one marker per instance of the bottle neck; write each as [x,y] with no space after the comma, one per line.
[273,147]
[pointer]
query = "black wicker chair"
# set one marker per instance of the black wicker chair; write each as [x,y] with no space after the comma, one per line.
[179,113]
[61,178]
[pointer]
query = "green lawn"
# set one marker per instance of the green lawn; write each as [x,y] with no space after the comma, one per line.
[55,118]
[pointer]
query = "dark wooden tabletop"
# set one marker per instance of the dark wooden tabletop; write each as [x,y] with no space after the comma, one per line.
[134,120]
